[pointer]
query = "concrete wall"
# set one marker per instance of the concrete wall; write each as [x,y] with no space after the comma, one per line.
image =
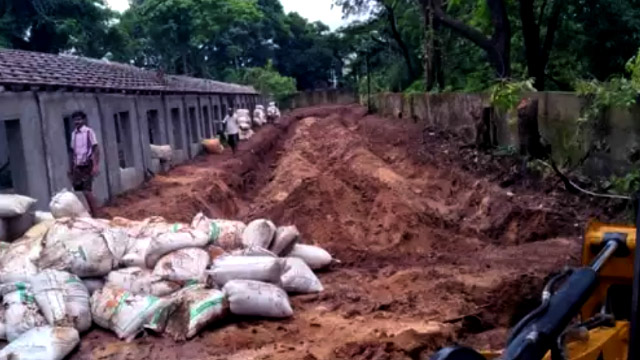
[54,108]
[35,141]
[30,175]
[618,133]
[216,112]
[192,125]
[204,103]
[320,97]
[144,106]
[177,128]
[452,112]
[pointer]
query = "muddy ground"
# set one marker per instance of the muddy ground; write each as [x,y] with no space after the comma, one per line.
[438,244]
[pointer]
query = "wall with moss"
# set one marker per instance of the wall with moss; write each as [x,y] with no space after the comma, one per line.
[614,140]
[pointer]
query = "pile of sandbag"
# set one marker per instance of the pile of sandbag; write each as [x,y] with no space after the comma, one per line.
[161,152]
[16,216]
[145,276]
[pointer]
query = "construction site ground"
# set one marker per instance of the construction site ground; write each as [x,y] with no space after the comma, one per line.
[438,243]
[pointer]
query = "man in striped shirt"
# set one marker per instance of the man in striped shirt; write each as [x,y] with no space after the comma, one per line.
[85,158]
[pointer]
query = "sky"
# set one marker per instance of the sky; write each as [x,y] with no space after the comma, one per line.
[313,10]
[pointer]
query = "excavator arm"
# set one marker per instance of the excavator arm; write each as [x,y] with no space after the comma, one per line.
[601,294]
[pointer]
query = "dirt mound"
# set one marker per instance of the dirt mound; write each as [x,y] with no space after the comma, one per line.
[212,183]
[433,250]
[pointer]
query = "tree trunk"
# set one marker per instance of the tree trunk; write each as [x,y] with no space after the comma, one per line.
[433,71]
[501,37]
[497,48]
[528,130]
[531,33]
[537,53]
[437,67]
[184,64]
[391,16]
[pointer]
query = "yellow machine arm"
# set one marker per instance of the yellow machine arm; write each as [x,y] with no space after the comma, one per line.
[599,294]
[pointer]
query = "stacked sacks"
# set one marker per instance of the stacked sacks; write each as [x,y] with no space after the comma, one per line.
[16,216]
[135,276]
[271,262]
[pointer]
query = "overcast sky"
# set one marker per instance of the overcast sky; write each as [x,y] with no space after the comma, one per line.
[313,10]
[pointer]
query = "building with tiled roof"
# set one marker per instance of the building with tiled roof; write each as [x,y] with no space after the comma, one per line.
[25,68]
[129,109]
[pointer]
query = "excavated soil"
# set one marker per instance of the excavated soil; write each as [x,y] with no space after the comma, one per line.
[433,249]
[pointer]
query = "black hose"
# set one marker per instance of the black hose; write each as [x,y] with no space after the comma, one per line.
[546,298]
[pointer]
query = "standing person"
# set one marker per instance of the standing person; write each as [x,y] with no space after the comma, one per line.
[85,158]
[273,113]
[232,130]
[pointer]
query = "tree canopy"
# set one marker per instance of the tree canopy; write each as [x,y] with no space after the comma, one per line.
[402,45]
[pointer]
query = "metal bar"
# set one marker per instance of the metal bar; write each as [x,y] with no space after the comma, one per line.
[604,255]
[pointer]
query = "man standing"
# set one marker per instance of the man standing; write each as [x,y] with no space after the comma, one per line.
[232,129]
[273,113]
[85,158]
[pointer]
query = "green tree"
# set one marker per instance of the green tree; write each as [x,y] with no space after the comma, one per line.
[81,26]
[308,53]
[266,80]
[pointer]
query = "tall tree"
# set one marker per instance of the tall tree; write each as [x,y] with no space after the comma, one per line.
[53,26]
[394,24]
[538,51]
[497,47]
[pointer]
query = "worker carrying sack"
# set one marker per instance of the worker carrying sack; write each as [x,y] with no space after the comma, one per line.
[259,268]
[254,298]
[42,343]
[63,299]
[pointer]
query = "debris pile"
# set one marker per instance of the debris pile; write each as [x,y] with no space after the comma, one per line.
[63,275]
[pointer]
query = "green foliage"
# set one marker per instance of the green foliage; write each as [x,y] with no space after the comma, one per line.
[601,96]
[56,25]
[211,38]
[418,87]
[375,39]
[633,68]
[506,94]
[266,79]
[624,185]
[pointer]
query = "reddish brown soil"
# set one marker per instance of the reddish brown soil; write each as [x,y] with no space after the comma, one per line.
[433,250]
